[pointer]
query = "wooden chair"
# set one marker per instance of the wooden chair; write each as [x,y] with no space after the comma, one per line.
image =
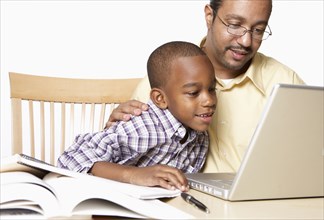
[48,112]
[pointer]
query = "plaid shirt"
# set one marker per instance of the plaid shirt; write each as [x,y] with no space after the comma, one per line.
[145,140]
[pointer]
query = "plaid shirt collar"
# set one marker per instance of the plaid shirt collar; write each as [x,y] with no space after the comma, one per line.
[170,124]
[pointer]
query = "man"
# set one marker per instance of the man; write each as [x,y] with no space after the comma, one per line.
[245,77]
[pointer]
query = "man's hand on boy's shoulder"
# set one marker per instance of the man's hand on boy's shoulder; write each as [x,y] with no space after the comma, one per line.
[125,110]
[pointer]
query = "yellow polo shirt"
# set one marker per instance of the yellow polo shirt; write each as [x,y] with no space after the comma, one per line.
[239,107]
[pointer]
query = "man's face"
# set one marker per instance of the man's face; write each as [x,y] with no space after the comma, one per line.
[231,53]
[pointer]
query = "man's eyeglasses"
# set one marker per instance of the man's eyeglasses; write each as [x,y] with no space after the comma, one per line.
[238,30]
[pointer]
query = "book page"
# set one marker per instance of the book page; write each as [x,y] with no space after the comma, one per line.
[23,205]
[10,164]
[22,177]
[22,162]
[20,214]
[23,191]
[103,207]
[33,193]
[91,188]
[140,192]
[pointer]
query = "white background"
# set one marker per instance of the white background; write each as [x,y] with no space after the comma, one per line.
[113,39]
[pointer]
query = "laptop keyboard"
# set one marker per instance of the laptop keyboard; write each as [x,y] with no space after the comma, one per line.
[221,184]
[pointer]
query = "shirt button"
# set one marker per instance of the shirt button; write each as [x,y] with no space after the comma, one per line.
[223,122]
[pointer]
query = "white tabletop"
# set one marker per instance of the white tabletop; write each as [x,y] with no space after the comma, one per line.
[308,208]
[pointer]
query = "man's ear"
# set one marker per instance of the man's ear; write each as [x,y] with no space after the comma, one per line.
[159,98]
[209,16]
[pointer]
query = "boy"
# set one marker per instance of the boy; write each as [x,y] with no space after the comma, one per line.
[169,138]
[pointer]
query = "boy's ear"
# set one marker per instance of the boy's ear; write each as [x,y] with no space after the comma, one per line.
[158,97]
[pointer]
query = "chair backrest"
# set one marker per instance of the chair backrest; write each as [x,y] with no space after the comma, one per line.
[48,112]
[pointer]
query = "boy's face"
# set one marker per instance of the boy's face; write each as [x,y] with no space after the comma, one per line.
[190,91]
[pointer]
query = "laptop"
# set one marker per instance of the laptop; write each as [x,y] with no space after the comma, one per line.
[285,156]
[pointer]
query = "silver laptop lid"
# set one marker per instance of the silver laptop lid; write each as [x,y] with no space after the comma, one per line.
[285,155]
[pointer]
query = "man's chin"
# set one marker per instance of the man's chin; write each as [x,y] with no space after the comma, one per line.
[235,66]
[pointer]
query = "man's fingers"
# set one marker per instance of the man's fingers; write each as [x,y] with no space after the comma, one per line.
[124,111]
[133,104]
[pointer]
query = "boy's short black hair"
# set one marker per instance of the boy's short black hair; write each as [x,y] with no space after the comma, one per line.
[160,60]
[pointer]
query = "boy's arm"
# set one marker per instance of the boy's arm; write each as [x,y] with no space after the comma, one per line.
[87,149]
[157,175]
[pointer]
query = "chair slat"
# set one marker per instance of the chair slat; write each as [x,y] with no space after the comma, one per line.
[83,115]
[42,130]
[52,133]
[63,129]
[92,115]
[16,125]
[72,123]
[102,116]
[31,128]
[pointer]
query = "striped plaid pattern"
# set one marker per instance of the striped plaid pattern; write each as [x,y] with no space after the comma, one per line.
[145,140]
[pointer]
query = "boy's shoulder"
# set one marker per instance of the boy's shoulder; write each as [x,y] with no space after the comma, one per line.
[153,112]
[151,116]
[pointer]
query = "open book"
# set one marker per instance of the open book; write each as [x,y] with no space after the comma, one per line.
[29,184]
